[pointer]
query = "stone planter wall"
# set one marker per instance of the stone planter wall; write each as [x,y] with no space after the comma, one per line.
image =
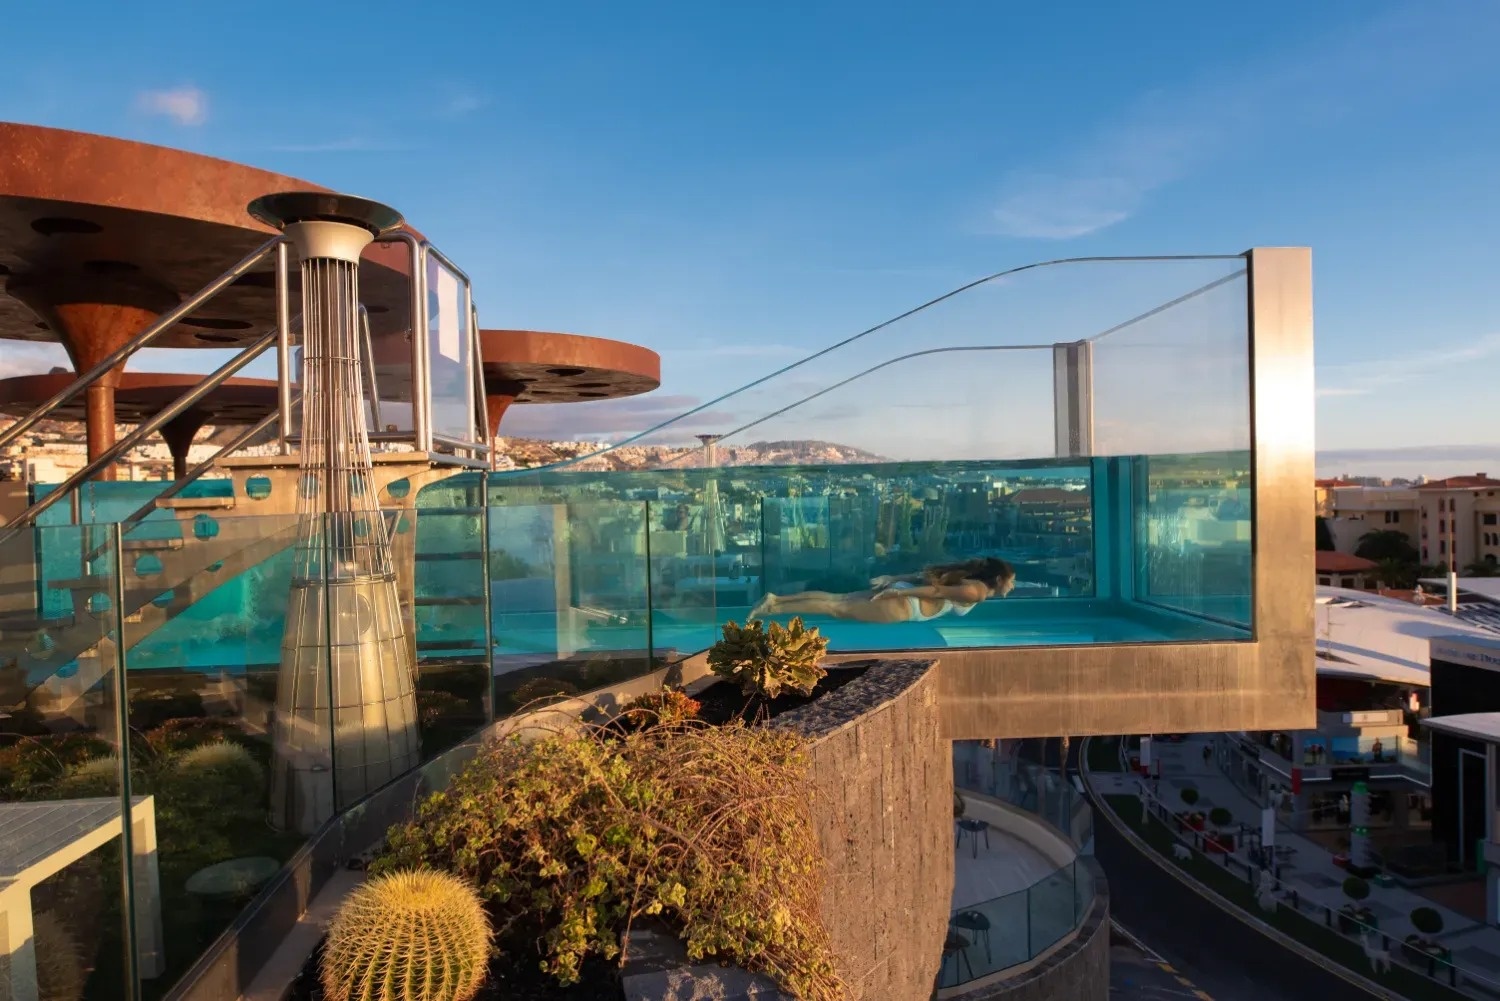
[882,781]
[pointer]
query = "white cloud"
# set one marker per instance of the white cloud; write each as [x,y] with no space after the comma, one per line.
[31,358]
[185,105]
[1108,175]
[461,103]
[1361,378]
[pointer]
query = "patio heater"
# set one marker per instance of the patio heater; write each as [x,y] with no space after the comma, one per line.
[345,683]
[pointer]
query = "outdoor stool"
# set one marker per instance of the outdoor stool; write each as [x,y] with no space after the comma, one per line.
[957,946]
[975,922]
[973,828]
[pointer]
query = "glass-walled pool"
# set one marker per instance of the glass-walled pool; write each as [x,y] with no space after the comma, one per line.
[1086,424]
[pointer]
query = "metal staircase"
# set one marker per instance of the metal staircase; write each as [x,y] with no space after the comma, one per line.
[54,650]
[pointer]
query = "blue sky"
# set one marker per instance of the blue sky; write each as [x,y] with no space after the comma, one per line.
[736,186]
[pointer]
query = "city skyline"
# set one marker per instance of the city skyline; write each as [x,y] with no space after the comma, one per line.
[740,190]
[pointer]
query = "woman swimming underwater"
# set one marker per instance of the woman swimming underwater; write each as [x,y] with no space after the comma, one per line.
[938,590]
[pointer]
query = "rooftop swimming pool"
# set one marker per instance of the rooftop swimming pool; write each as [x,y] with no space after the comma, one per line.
[1109,550]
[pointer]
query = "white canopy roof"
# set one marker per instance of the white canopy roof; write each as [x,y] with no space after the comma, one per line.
[1372,636]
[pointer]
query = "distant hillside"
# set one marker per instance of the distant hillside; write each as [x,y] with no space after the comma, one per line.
[533,452]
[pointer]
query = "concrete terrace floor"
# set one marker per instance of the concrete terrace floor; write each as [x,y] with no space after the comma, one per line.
[1006,866]
[1311,872]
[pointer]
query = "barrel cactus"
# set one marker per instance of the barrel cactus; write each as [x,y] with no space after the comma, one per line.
[416,935]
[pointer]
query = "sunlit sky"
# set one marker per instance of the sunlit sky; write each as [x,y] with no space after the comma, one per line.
[739,185]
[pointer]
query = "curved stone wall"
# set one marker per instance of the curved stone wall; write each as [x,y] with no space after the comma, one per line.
[882,779]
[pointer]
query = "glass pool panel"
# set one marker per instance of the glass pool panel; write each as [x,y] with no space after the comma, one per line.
[203,638]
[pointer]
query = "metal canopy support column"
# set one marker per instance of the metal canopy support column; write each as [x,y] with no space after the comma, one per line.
[1073,398]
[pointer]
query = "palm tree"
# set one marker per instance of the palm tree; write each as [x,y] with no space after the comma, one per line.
[1386,544]
[1396,574]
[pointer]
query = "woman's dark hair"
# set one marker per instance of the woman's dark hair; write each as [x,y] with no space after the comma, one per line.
[990,571]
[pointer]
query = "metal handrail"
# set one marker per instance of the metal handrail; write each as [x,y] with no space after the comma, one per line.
[140,340]
[364,322]
[147,428]
[234,445]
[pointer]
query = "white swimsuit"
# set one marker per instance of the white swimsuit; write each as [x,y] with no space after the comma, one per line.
[915,604]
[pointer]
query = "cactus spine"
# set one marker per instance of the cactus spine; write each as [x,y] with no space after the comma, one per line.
[416,935]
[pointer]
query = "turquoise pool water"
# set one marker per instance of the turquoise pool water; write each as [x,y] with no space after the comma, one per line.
[1107,550]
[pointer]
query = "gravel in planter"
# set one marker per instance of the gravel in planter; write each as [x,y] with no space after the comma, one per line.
[724,701]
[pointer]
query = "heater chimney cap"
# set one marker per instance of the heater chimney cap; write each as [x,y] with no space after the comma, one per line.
[287,207]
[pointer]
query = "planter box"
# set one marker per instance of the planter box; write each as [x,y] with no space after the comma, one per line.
[882,791]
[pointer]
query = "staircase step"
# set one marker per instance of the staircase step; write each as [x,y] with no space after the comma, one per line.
[195,503]
[31,624]
[152,545]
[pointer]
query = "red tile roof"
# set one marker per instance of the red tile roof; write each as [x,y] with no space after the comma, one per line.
[1327,484]
[1050,495]
[1461,483]
[1343,563]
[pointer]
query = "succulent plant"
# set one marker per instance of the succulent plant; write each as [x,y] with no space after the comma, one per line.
[415,935]
[764,660]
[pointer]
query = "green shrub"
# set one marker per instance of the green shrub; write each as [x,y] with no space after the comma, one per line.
[407,936]
[150,708]
[36,761]
[1220,816]
[1427,920]
[188,732]
[571,838]
[1356,888]
[1190,796]
[765,660]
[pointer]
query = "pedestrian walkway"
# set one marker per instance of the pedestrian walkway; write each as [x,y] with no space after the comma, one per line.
[1309,868]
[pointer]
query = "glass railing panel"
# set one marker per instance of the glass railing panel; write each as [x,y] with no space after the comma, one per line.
[62,785]
[236,750]
[569,593]
[935,438]
[687,568]
[449,613]
[105,501]
[1173,388]
[391,344]
[986,938]
[1052,909]
[450,347]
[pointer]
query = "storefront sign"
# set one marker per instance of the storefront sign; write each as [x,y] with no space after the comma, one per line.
[1472,651]
[1349,773]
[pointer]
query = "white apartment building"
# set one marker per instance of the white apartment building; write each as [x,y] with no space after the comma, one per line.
[1463,509]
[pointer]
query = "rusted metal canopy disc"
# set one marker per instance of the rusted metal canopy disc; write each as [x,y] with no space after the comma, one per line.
[93,221]
[535,366]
